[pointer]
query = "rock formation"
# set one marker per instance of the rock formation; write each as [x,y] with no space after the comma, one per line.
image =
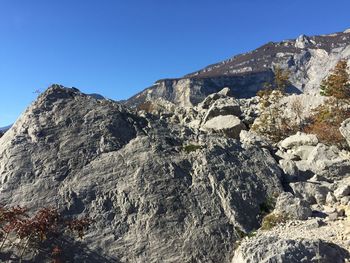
[150,199]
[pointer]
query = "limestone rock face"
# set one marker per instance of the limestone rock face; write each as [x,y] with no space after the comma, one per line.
[151,201]
[312,192]
[303,157]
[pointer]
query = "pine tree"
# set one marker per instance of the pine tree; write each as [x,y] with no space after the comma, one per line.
[272,123]
[337,84]
[327,118]
[281,80]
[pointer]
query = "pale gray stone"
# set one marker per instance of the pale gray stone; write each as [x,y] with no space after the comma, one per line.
[303,151]
[330,198]
[341,191]
[251,138]
[229,125]
[221,107]
[345,200]
[312,192]
[280,250]
[299,139]
[290,170]
[292,207]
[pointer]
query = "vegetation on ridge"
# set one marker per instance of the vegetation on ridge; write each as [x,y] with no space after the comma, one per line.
[325,120]
[272,124]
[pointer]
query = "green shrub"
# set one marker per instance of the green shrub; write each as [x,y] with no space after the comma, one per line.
[272,220]
[272,123]
[192,148]
[337,84]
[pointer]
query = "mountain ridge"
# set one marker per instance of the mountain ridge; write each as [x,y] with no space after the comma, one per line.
[246,73]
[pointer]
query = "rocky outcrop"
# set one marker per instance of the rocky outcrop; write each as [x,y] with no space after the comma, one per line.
[302,157]
[271,248]
[190,91]
[58,135]
[222,107]
[150,199]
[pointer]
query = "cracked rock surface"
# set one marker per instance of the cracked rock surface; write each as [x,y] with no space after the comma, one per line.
[151,200]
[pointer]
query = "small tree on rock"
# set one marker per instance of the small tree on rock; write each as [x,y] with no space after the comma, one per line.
[271,122]
[328,117]
[337,84]
[281,80]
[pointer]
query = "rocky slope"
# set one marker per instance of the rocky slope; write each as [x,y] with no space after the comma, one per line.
[152,201]
[309,60]
[178,184]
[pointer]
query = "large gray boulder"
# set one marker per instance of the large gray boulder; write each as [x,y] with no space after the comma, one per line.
[55,137]
[312,192]
[209,100]
[150,200]
[299,139]
[291,171]
[229,125]
[292,207]
[328,161]
[221,107]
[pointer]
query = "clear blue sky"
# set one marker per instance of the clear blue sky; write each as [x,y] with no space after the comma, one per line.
[119,47]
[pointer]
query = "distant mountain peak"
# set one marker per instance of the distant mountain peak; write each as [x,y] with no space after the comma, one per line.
[308,58]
